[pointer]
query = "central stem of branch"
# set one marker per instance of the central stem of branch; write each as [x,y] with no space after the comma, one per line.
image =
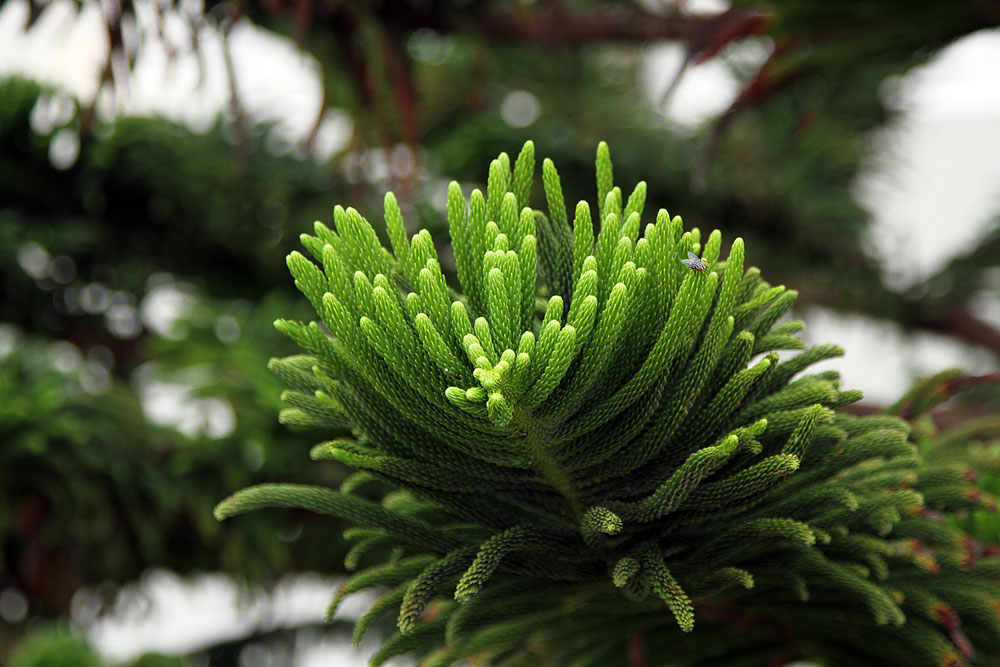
[545,463]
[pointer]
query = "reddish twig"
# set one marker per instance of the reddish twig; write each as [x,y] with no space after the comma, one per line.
[761,87]
[962,323]
[113,26]
[554,26]
[943,419]
[304,17]
[876,300]
[241,135]
[943,390]
[310,139]
[636,649]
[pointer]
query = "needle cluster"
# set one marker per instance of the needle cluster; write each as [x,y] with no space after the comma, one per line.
[589,439]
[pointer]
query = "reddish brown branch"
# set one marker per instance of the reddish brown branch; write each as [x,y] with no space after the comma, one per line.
[553,25]
[911,313]
[721,612]
[241,133]
[636,649]
[942,390]
[961,323]
[989,8]
[303,21]
[113,26]
[349,34]
[760,88]
[310,141]
[937,392]
[943,419]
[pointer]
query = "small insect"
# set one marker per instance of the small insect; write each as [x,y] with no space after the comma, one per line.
[694,262]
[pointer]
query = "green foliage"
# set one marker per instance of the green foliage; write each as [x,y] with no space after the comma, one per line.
[632,440]
[66,481]
[204,212]
[778,176]
[91,491]
[53,646]
[961,463]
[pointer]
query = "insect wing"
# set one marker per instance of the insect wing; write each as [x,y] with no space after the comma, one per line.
[694,262]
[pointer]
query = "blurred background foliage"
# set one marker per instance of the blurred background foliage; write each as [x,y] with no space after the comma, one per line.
[142,272]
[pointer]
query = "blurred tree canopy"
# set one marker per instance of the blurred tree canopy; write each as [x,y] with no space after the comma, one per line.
[150,266]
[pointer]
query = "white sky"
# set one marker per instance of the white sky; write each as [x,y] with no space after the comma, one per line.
[936,180]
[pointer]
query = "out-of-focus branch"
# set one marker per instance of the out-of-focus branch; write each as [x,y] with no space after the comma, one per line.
[769,79]
[304,16]
[956,320]
[349,35]
[636,649]
[549,25]
[943,419]
[954,424]
[310,139]
[554,25]
[990,8]
[938,389]
[961,322]
[241,134]
[113,26]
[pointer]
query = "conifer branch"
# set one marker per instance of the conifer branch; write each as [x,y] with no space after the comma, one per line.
[602,437]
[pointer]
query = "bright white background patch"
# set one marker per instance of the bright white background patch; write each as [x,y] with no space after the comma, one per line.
[936,182]
[275,82]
